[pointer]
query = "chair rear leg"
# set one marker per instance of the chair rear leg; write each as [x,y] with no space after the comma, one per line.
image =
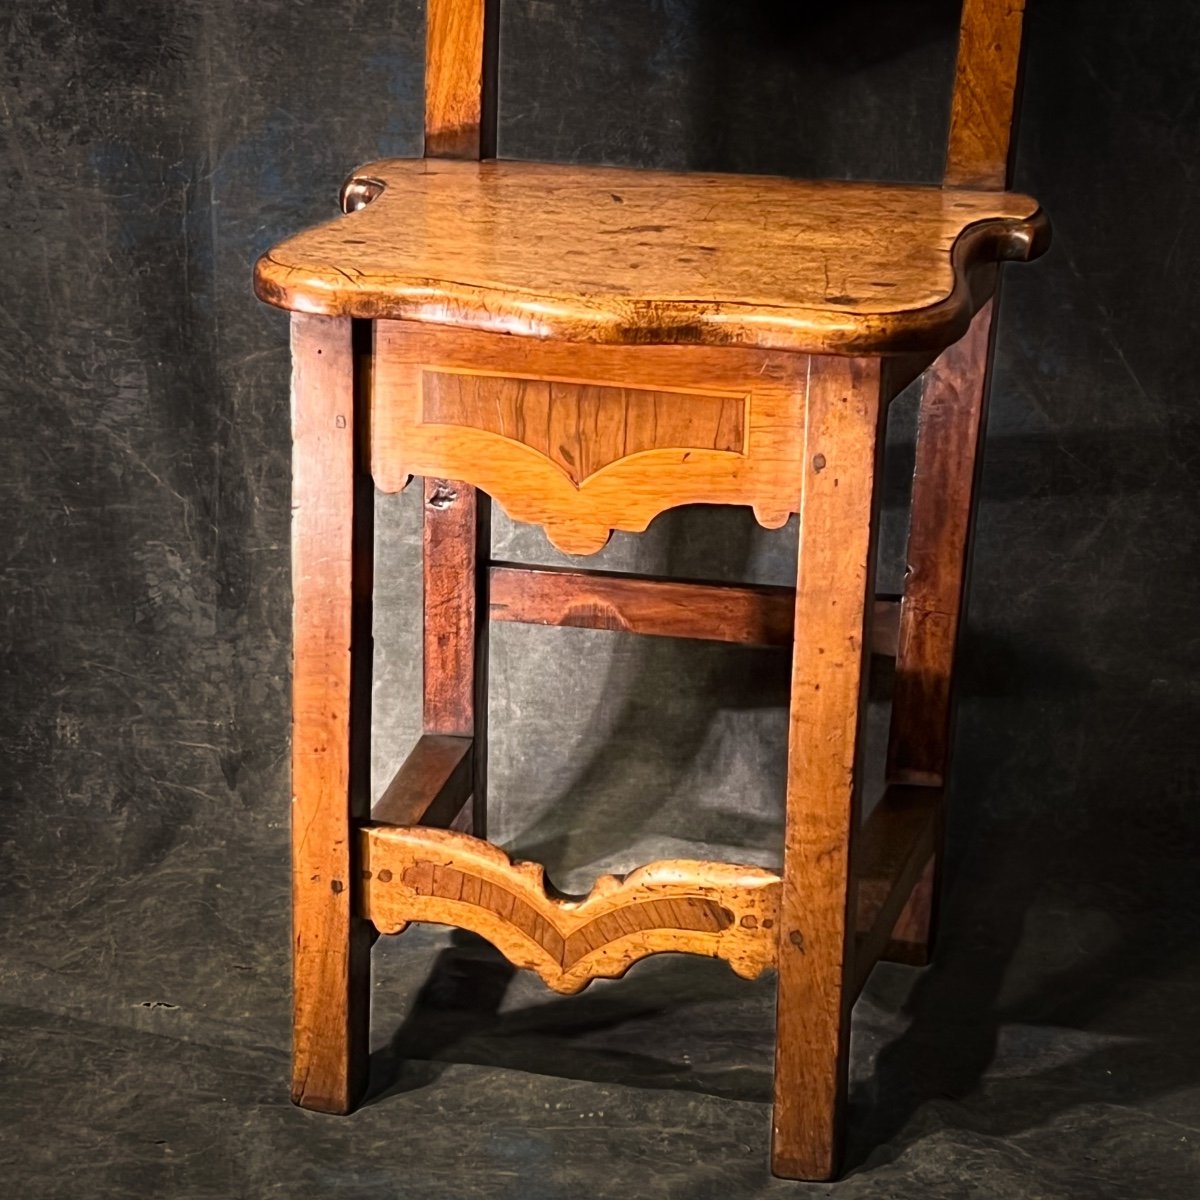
[457,549]
[949,435]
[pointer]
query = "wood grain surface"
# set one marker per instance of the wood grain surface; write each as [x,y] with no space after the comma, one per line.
[454,70]
[450,559]
[529,483]
[456,544]
[676,342]
[843,435]
[745,614]
[331,947]
[985,88]
[950,427]
[895,843]
[431,785]
[714,909]
[604,254]
[583,428]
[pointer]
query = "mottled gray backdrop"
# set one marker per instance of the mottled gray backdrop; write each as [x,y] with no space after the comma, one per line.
[151,150]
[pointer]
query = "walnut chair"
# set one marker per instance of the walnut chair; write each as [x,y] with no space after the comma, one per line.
[591,346]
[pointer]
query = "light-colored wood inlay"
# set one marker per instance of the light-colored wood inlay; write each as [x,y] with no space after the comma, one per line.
[715,909]
[678,404]
[581,427]
[603,254]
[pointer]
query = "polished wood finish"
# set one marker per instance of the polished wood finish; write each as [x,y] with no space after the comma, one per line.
[834,589]
[331,946]
[616,255]
[461,43]
[946,471]
[592,346]
[714,909]
[720,612]
[749,615]
[627,493]
[896,842]
[583,427]
[431,786]
[450,555]
[949,430]
[459,78]
[456,537]
[985,87]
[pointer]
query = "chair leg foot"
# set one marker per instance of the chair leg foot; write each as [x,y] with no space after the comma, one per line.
[330,1040]
[810,1152]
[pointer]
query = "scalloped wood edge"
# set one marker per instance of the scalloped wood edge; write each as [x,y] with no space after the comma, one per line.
[719,910]
[614,320]
[626,494]
[545,491]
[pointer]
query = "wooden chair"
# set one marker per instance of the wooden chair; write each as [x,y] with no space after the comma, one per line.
[591,346]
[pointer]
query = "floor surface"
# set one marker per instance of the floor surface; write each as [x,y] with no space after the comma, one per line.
[1051,1052]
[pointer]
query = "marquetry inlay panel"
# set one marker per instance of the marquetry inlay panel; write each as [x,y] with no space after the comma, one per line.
[587,439]
[582,427]
[412,873]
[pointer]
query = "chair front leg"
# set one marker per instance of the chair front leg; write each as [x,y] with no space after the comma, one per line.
[834,595]
[331,648]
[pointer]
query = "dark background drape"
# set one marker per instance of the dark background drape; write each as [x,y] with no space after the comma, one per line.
[150,151]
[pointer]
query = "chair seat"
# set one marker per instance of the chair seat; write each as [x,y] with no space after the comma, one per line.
[622,256]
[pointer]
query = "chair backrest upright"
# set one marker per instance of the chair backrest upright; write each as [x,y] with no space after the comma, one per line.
[460,86]
[462,38]
[985,93]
